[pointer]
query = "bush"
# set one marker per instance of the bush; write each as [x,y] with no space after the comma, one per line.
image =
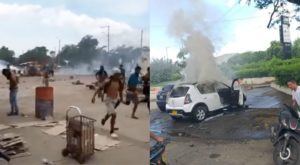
[282,70]
[285,73]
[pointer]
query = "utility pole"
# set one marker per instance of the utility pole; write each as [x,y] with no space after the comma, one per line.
[142,42]
[58,51]
[108,39]
[108,28]
[167,56]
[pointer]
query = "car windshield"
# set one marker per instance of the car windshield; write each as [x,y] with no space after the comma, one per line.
[179,92]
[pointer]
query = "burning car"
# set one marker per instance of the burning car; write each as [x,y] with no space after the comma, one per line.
[196,100]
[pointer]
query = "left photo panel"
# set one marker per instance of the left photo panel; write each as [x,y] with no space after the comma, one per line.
[74,82]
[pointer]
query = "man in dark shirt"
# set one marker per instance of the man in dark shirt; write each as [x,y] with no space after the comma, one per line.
[101,75]
[132,93]
[122,73]
[13,88]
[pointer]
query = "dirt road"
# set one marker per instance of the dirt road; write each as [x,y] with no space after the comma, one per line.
[134,134]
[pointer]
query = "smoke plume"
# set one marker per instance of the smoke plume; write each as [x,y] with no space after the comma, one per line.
[196,29]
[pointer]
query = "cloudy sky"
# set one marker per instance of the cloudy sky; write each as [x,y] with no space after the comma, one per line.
[238,27]
[29,23]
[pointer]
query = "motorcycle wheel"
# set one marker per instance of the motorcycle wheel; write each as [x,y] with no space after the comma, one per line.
[290,157]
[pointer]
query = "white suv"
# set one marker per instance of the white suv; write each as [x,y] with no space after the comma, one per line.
[196,100]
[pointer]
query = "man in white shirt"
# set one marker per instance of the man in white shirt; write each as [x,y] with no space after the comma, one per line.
[292,84]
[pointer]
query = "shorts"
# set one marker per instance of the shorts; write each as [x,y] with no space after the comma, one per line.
[131,97]
[110,105]
[146,90]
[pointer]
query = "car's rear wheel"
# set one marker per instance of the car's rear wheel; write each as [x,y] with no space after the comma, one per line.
[199,113]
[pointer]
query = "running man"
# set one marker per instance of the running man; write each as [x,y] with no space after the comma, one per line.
[101,75]
[132,93]
[13,88]
[113,88]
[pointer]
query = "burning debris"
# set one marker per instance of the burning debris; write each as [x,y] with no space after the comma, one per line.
[13,145]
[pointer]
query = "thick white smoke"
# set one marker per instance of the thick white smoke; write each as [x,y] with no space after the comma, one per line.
[196,29]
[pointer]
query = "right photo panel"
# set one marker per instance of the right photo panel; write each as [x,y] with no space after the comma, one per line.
[224,78]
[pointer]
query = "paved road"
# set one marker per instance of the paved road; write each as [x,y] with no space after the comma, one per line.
[225,138]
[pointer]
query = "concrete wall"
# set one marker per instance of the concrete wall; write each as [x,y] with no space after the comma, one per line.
[281,89]
[257,81]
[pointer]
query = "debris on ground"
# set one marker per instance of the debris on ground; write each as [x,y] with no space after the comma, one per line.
[24,115]
[104,142]
[51,80]
[33,123]
[13,145]
[56,130]
[71,77]
[91,86]
[2,126]
[47,162]
[78,82]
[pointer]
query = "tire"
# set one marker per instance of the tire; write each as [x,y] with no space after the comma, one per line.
[293,149]
[176,118]
[199,113]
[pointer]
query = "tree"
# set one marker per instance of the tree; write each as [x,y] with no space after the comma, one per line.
[279,8]
[163,70]
[87,49]
[38,54]
[67,55]
[7,55]
[84,52]
[296,48]
[275,50]
[182,56]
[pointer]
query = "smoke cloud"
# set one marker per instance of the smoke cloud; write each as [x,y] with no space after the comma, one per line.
[196,29]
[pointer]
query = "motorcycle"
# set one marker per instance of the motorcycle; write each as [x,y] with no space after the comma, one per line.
[285,137]
[157,153]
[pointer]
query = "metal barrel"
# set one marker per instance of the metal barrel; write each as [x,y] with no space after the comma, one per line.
[43,102]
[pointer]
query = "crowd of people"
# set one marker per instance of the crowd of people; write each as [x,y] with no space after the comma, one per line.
[111,89]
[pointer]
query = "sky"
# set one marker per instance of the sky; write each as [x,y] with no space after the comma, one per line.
[237,27]
[26,24]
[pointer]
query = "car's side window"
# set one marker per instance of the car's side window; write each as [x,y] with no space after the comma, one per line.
[206,88]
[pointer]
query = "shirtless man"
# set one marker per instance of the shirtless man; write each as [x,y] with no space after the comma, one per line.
[13,88]
[113,87]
